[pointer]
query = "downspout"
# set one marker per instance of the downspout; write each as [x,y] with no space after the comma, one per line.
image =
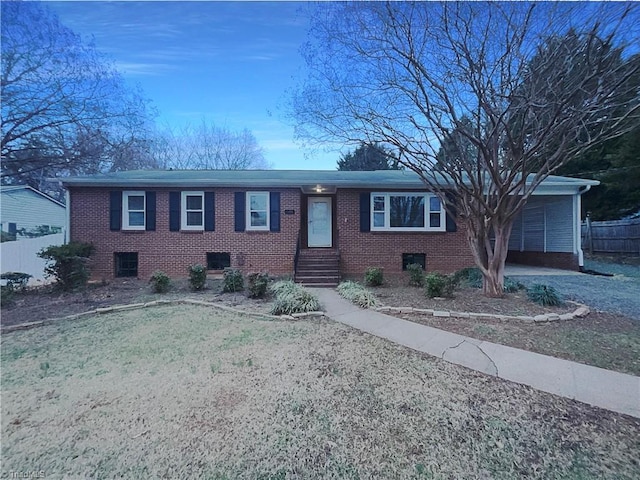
[67,230]
[578,227]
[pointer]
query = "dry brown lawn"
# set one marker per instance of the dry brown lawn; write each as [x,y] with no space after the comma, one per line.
[601,339]
[190,392]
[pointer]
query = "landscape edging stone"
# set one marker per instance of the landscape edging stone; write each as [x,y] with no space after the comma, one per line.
[155,303]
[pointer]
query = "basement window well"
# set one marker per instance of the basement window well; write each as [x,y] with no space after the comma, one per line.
[409,258]
[218,260]
[126,264]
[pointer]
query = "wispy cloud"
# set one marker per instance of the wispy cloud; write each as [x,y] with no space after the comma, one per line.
[134,69]
[226,62]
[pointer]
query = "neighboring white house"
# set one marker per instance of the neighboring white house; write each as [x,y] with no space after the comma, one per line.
[23,208]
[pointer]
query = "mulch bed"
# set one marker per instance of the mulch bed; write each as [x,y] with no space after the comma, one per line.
[464,300]
[46,302]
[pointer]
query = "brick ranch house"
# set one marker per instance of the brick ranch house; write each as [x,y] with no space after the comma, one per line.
[316,225]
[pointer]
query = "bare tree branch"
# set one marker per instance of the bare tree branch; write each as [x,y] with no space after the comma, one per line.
[65,109]
[517,90]
[206,146]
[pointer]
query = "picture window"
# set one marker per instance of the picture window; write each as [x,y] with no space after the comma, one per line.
[407,212]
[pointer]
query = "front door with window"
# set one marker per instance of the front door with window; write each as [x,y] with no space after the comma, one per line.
[319,222]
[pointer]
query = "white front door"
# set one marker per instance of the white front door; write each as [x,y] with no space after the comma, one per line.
[319,222]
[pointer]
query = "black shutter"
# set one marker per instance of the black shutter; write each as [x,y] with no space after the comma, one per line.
[274,207]
[451,224]
[150,201]
[365,212]
[239,211]
[209,211]
[115,210]
[451,220]
[174,211]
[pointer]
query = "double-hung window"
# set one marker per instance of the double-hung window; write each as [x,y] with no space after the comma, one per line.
[406,212]
[133,210]
[192,214]
[257,210]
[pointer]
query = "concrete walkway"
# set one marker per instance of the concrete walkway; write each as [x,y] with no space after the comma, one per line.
[613,391]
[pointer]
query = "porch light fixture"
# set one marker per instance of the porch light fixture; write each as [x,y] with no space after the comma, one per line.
[318,189]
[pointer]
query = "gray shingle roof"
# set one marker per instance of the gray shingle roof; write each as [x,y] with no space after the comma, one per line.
[387,179]
[15,188]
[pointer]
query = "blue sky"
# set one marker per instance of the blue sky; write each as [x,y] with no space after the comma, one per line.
[228,62]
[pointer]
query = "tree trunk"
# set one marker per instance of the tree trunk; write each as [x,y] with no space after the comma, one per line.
[493,281]
[490,256]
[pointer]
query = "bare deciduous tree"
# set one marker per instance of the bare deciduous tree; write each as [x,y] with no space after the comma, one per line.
[208,147]
[65,109]
[512,91]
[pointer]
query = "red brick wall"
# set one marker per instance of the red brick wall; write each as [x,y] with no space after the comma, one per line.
[445,252]
[173,252]
[564,261]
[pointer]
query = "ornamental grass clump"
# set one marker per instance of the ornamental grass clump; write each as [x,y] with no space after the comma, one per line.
[357,294]
[512,286]
[293,298]
[282,287]
[544,295]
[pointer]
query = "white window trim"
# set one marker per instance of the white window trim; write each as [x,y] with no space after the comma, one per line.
[387,213]
[183,211]
[125,209]
[248,226]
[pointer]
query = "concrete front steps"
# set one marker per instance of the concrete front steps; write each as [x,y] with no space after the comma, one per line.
[318,267]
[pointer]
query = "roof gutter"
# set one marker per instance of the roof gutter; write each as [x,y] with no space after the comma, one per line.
[584,189]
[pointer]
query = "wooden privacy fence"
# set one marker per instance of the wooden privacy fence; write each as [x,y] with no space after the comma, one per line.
[617,236]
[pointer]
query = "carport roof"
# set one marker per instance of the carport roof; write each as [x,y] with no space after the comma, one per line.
[305,179]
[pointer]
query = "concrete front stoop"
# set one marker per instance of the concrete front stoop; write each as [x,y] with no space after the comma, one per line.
[318,267]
